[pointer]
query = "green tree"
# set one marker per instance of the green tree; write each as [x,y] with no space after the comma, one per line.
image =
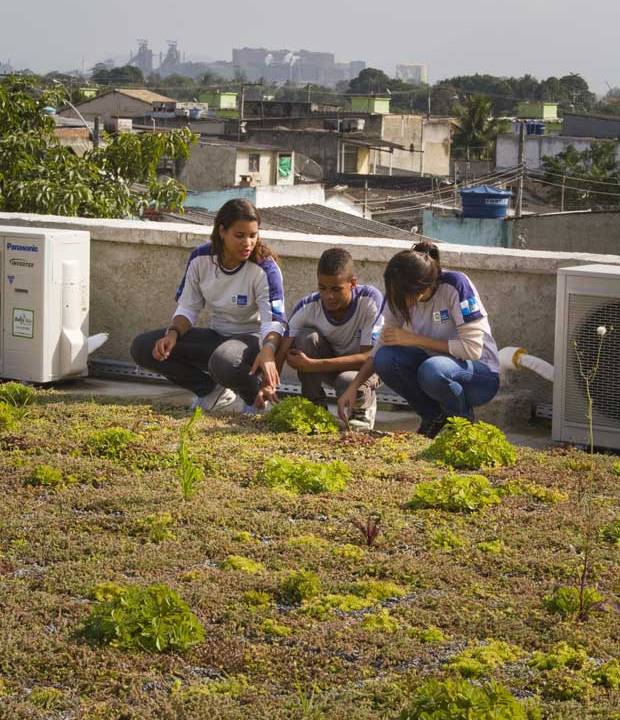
[118,76]
[370,80]
[477,131]
[591,178]
[39,175]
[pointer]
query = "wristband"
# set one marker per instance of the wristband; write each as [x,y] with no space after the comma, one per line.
[176,330]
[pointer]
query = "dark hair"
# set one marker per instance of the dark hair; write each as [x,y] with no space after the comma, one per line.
[230,213]
[410,273]
[335,261]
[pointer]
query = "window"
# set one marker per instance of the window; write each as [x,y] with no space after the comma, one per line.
[254,162]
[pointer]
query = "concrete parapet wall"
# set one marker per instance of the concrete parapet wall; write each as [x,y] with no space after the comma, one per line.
[136,266]
[597,231]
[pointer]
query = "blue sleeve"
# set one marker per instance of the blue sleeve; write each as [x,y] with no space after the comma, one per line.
[200,250]
[468,306]
[273,314]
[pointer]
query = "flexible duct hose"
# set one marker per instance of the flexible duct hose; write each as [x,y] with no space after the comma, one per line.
[515,358]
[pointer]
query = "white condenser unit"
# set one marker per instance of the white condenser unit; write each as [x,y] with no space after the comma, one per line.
[44,303]
[588,298]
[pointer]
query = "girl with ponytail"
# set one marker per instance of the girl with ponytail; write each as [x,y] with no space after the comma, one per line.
[436,349]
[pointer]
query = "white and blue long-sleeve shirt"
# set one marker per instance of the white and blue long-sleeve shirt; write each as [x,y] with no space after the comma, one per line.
[450,314]
[248,299]
[360,326]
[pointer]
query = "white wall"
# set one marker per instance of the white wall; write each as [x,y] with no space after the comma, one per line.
[536,147]
[278,195]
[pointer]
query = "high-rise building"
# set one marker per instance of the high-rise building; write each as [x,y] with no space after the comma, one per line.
[296,66]
[414,74]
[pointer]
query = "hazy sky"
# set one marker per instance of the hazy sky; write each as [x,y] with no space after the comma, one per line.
[453,37]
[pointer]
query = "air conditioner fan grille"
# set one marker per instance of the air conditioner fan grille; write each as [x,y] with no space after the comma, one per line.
[585,314]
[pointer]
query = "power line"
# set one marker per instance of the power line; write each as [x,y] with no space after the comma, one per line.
[586,191]
[504,176]
[576,177]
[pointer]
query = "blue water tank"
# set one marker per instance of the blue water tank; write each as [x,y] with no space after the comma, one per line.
[485,201]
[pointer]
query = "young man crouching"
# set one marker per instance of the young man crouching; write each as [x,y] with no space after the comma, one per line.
[331,333]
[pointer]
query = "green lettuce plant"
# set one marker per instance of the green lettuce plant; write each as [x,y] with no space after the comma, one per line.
[608,675]
[454,493]
[297,414]
[561,655]
[151,618]
[271,627]
[300,585]
[243,564]
[462,700]
[49,477]
[381,621]
[111,443]
[482,659]
[610,533]
[572,601]
[156,527]
[17,394]
[469,446]
[304,476]
[8,417]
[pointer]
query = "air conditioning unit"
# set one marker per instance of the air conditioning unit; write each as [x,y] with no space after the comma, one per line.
[44,303]
[588,297]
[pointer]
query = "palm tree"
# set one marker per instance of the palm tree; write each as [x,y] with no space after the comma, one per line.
[477,131]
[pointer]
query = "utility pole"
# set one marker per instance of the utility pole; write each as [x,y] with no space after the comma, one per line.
[519,204]
[563,191]
[96,131]
[242,106]
[366,197]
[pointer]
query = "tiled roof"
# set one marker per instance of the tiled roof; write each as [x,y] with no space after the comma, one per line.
[311,219]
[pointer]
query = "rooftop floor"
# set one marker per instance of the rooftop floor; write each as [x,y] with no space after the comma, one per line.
[388,420]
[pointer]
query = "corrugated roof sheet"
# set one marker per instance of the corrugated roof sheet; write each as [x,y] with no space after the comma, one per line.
[311,219]
[144,95]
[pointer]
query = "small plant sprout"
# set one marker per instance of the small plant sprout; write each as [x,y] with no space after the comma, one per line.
[189,472]
[585,506]
[369,528]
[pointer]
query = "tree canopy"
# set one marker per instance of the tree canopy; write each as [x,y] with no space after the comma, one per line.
[591,178]
[118,76]
[39,175]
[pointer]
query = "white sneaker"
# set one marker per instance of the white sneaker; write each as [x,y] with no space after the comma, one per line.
[364,419]
[253,410]
[218,399]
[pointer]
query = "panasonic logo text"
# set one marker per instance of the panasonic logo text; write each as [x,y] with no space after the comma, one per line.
[23,248]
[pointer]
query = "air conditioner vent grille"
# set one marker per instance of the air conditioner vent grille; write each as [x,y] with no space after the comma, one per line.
[585,314]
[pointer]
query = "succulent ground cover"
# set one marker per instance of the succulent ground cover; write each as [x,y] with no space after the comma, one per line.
[403,591]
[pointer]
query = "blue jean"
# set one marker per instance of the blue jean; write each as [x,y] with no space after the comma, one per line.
[435,384]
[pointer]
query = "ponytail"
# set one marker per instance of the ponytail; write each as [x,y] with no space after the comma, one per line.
[428,248]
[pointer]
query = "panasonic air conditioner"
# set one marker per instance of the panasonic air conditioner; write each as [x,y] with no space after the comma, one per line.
[588,298]
[44,303]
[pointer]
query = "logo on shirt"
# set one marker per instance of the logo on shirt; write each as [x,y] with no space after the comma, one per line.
[277,306]
[240,299]
[470,306]
[441,316]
